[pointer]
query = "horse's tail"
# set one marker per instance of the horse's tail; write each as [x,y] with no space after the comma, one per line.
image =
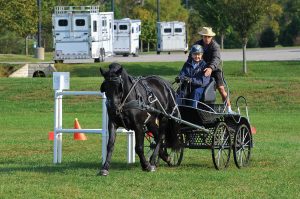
[173,135]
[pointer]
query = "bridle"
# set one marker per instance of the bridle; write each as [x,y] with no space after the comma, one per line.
[119,80]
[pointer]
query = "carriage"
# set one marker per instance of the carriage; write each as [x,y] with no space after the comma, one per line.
[208,126]
[165,124]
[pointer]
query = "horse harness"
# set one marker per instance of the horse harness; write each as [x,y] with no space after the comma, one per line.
[139,103]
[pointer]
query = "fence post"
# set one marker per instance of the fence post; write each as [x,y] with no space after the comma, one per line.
[104,129]
[61,81]
[130,147]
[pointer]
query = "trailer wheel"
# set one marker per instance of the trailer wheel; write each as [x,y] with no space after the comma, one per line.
[158,52]
[58,61]
[136,54]
[102,54]
[221,146]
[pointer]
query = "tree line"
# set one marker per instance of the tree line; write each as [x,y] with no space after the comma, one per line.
[238,23]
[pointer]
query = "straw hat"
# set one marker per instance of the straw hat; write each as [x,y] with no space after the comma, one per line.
[207,31]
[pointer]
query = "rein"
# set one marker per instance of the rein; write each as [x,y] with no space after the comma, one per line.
[131,89]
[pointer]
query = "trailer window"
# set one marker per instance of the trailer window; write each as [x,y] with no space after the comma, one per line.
[104,23]
[123,27]
[80,22]
[178,30]
[132,30]
[63,22]
[95,26]
[167,30]
[115,27]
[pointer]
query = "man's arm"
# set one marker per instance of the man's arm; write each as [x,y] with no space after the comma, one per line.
[216,57]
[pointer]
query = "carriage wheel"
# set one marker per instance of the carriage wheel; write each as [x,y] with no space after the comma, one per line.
[149,146]
[242,146]
[221,146]
[174,156]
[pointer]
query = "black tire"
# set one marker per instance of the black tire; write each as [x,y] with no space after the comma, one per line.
[136,54]
[174,156]
[149,146]
[242,146]
[221,146]
[158,52]
[58,61]
[102,55]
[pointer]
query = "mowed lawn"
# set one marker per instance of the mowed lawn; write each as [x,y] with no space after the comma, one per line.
[26,154]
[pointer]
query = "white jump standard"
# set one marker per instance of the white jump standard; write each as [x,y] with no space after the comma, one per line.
[61,83]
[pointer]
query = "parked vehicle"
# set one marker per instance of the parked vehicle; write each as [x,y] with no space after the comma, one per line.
[126,36]
[171,36]
[82,32]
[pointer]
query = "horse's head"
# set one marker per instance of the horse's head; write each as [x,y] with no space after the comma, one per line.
[113,87]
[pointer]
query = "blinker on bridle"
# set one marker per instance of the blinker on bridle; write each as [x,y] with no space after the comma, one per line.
[116,80]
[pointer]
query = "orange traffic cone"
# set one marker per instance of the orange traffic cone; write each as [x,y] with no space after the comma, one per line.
[51,135]
[253,130]
[78,136]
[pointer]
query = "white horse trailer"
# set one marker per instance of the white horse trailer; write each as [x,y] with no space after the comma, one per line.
[171,36]
[126,36]
[82,32]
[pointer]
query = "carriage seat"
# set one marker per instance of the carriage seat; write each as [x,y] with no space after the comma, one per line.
[209,94]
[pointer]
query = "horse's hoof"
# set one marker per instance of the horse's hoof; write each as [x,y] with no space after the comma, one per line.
[150,168]
[103,172]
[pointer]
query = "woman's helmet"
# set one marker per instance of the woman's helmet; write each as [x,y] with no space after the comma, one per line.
[197,49]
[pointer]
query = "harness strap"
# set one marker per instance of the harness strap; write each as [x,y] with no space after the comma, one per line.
[133,86]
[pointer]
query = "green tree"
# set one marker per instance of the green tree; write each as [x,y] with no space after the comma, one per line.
[148,25]
[214,13]
[244,15]
[193,25]
[19,16]
[289,22]
[267,38]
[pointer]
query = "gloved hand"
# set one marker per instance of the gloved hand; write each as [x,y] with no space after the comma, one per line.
[177,79]
[187,79]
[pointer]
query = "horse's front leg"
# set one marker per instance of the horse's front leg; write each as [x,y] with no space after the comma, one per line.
[110,148]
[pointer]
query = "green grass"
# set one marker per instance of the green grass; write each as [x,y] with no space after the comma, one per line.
[24,58]
[26,169]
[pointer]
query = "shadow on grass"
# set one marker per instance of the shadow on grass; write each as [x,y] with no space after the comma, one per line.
[13,166]
[62,168]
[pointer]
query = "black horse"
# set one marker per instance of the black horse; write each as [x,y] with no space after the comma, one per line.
[139,104]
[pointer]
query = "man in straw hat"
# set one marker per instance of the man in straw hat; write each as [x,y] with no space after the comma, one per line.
[212,57]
